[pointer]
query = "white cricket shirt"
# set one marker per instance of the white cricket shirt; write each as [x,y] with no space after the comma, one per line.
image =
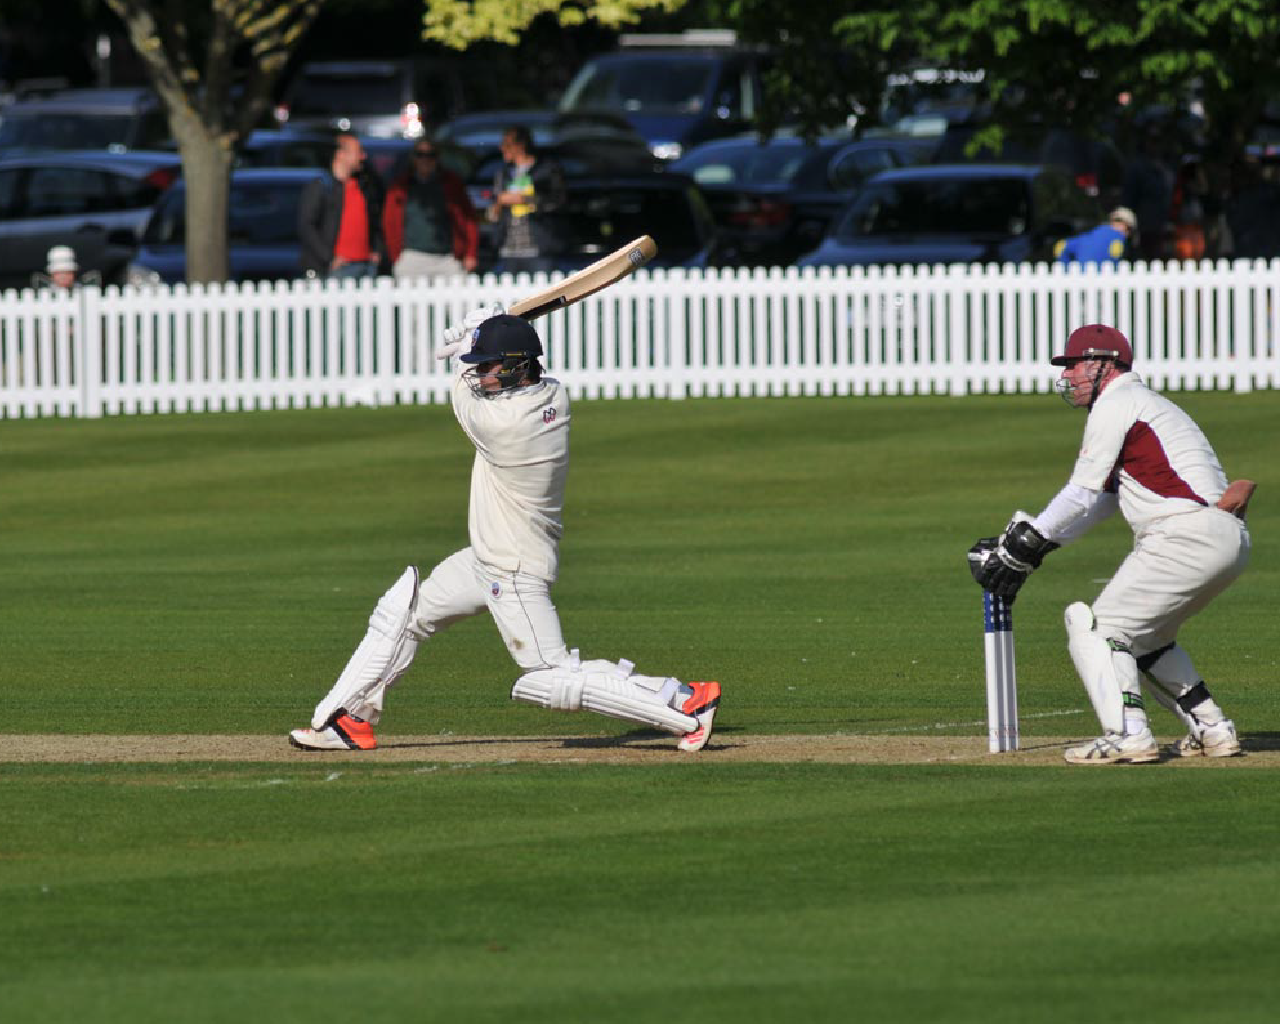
[518,477]
[1149,451]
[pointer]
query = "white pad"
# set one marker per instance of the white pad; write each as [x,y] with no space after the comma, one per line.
[386,648]
[607,689]
[1104,672]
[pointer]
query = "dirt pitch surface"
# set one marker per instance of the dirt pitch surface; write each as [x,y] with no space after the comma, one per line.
[646,748]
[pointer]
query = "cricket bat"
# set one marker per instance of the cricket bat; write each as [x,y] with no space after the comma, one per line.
[588,280]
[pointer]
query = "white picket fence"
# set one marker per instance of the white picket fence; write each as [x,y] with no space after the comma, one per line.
[670,334]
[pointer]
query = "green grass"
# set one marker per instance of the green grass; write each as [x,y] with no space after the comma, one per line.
[210,574]
[560,893]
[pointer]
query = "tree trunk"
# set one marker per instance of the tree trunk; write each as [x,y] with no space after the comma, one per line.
[206,168]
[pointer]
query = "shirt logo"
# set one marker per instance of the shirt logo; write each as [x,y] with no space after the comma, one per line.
[549,415]
[496,590]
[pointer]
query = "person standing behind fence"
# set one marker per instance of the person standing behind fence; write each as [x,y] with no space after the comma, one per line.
[528,192]
[61,270]
[339,218]
[429,222]
[1104,244]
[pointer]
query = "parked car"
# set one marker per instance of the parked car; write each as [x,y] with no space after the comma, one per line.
[95,202]
[958,213]
[262,229]
[112,119]
[602,212]
[286,147]
[391,98]
[774,199]
[1095,164]
[676,91]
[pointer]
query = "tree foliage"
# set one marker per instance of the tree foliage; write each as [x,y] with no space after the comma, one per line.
[1069,60]
[459,23]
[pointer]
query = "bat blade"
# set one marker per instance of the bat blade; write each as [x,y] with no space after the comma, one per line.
[587,281]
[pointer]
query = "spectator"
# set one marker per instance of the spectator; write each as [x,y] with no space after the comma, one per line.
[62,271]
[1188,211]
[429,222]
[62,267]
[339,218]
[1148,191]
[1104,244]
[528,190]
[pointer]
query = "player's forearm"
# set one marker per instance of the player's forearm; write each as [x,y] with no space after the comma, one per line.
[1072,512]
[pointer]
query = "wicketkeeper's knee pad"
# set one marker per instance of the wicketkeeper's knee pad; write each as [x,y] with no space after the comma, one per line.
[606,688]
[382,656]
[1105,665]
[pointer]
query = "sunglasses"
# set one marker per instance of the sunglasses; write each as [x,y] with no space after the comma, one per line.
[424,154]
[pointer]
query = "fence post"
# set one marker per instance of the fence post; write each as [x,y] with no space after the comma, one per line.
[88,334]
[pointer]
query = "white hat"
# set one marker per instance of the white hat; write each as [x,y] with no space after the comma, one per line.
[1125,216]
[62,257]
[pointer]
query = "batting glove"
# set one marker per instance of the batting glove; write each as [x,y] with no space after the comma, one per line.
[1002,565]
[458,339]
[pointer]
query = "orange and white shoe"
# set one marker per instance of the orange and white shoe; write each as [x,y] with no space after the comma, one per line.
[341,732]
[701,704]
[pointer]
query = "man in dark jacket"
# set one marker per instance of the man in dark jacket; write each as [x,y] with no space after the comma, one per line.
[340,218]
[528,192]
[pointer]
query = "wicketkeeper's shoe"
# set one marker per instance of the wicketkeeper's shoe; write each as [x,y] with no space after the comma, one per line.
[341,732]
[1116,748]
[701,704]
[1214,741]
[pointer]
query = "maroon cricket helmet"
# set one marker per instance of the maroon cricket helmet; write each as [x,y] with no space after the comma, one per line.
[1096,341]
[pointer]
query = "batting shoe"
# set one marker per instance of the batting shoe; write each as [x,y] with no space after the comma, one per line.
[1116,748]
[1214,741]
[701,705]
[341,732]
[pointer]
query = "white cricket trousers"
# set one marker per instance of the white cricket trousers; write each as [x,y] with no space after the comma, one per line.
[461,586]
[1179,564]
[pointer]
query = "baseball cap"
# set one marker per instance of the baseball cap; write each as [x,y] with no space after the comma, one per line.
[501,337]
[1125,216]
[61,257]
[1096,341]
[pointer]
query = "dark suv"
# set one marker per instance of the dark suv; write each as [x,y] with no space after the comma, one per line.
[676,91]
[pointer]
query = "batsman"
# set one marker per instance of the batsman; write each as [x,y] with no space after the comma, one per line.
[518,420]
[1145,456]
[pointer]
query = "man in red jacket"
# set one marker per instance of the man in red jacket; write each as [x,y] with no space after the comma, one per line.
[428,221]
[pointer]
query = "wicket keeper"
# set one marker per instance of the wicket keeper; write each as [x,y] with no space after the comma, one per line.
[1145,456]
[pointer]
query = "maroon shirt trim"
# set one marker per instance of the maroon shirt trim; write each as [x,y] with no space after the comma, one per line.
[1142,456]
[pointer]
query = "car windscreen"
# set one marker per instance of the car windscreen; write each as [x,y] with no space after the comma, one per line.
[262,213]
[656,85]
[938,206]
[65,131]
[346,95]
[747,164]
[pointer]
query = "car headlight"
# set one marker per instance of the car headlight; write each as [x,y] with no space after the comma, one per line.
[667,150]
[138,276]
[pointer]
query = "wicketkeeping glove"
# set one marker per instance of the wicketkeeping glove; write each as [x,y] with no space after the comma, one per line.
[1002,564]
[458,339]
